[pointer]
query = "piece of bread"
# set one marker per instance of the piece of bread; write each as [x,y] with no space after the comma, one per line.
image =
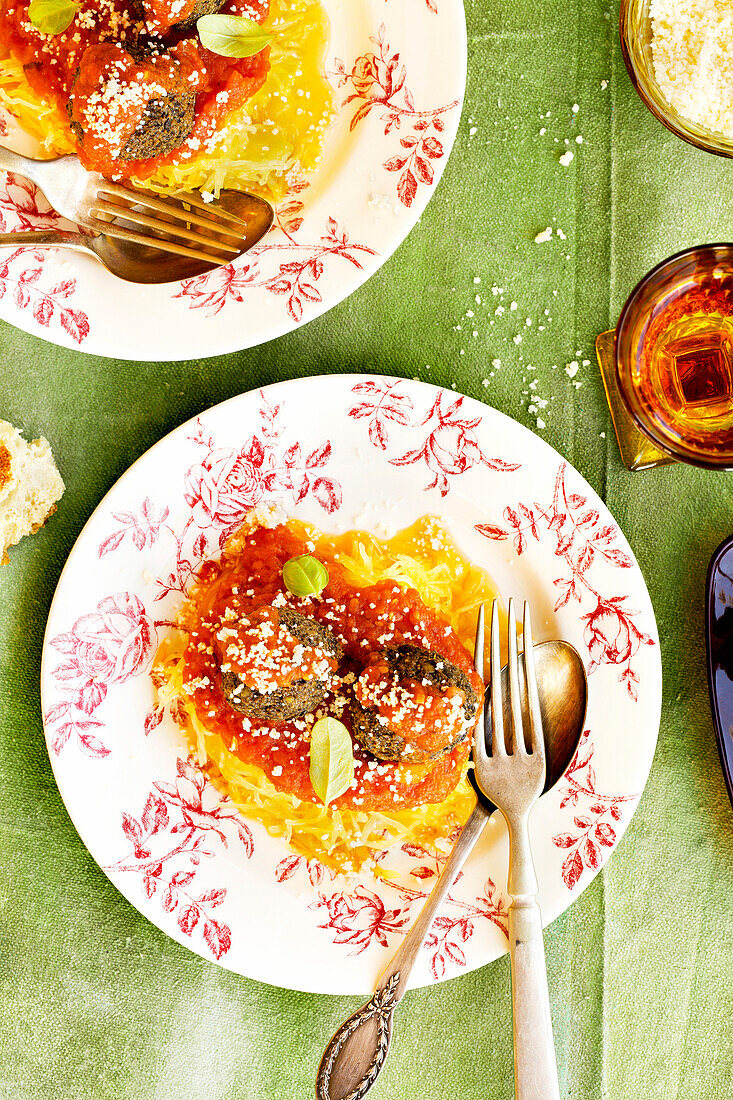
[30,485]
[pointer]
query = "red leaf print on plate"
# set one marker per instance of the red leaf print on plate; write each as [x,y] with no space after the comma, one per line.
[143,528]
[380,403]
[572,869]
[450,447]
[169,841]
[293,279]
[22,206]
[46,305]
[377,81]
[611,635]
[316,871]
[590,831]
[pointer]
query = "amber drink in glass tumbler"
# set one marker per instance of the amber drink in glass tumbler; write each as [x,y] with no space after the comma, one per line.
[674,356]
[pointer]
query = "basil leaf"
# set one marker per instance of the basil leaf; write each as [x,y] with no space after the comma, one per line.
[332,759]
[232,35]
[52,16]
[305,576]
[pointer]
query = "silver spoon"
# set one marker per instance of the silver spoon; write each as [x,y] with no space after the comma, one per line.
[355,1055]
[138,263]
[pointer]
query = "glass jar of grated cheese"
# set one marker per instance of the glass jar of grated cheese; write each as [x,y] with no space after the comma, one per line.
[690,89]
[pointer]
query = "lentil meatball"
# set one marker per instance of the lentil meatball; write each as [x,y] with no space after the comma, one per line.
[128,103]
[412,705]
[276,664]
[162,15]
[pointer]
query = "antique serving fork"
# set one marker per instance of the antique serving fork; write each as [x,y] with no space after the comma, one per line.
[183,225]
[511,773]
[357,1052]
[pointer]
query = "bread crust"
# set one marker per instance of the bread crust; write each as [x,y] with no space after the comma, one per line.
[30,486]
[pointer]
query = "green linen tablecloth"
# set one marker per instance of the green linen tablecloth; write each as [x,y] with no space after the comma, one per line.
[95,1002]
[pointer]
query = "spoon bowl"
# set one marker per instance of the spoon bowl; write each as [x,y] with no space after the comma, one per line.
[562,687]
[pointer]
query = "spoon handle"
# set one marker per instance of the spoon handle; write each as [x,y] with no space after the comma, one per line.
[53,238]
[353,1059]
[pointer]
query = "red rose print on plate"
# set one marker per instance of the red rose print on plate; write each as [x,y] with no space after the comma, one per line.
[360,917]
[225,486]
[103,648]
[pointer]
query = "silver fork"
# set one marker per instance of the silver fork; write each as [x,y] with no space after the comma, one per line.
[184,225]
[512,775]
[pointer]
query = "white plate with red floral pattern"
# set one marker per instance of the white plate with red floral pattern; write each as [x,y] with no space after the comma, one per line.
[329,450]
[398,70]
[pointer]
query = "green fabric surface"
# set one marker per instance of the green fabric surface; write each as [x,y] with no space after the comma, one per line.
[97,1003]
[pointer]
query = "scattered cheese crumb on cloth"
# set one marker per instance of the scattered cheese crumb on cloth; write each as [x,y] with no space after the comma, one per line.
[30,486]
[693,59]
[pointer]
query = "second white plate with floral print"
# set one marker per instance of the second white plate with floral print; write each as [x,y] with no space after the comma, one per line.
[398,71]
[185,858]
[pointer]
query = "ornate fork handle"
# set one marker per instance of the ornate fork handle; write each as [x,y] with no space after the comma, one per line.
[355,1055]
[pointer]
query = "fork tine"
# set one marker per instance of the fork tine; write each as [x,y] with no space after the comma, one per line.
[109,229]
[199,204]
[479,733]
[478,652]
[515,698]
[536,734]
[498,746]
[174,230]
[177,211]
[169,204]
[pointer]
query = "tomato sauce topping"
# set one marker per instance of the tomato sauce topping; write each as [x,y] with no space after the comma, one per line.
[426,715]
[54,63]
[364,620]
[263,653]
